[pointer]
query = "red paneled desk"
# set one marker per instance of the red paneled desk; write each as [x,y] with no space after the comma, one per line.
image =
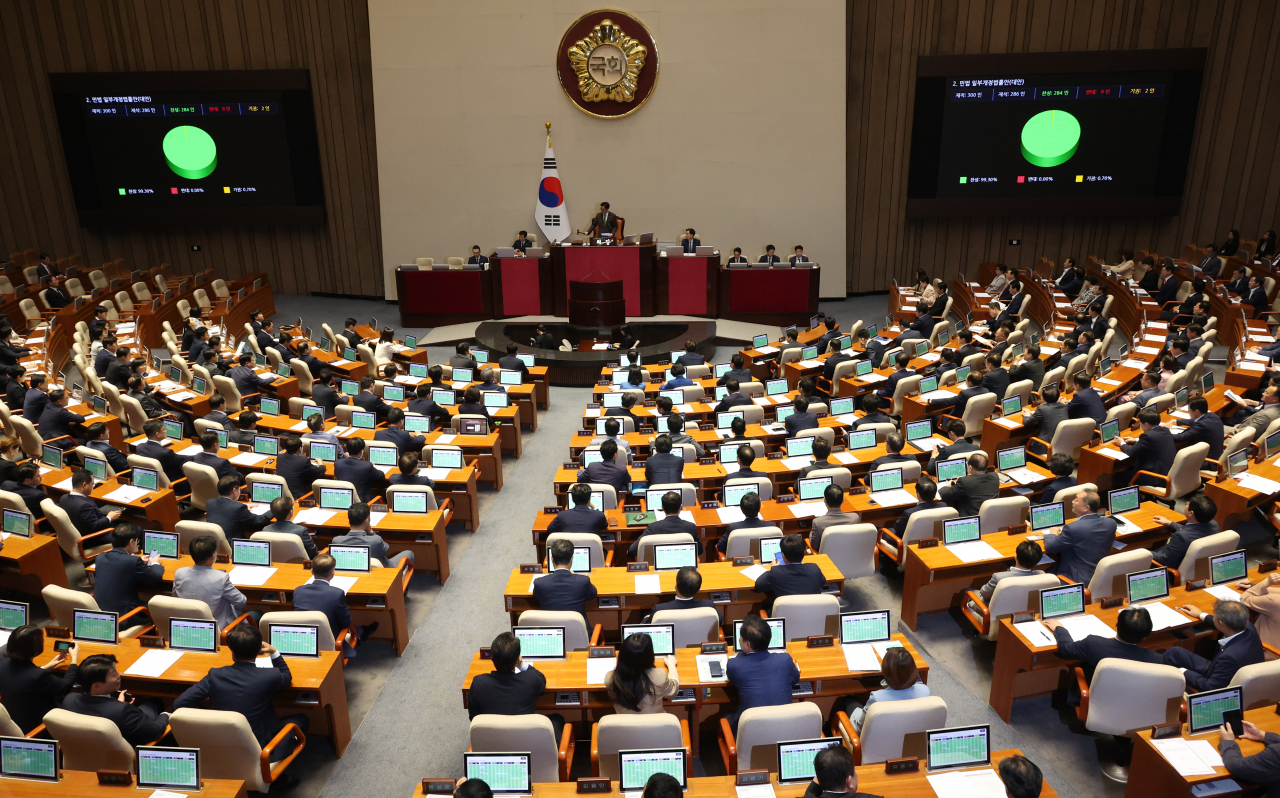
[769,296]
[633,264]
[447,296]
[688,285]
[522,286]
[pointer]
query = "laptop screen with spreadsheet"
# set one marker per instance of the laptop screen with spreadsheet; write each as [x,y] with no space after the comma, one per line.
[1204,710]
[635,767]
[1044,516]
[251,552]
[1152,583]
[269,407]
[799,447]
[775,387]
[94,626]
[540,642]
[958,747]
[21,758]
[889,479]
[166,543]
[662,635]
[864,627]
[408,501]
[961,530]
[1123,500]
[813,487]
[861,439]
[504,773]
[724,419]
[1057,602]
[777,634]
[295,639]
[336,498]
[844,404]
[351,557]
[266,492]
[733,494]
[14,614]
[193,634]
[674,556]
[1229,567]
[1011,459]
[795,758]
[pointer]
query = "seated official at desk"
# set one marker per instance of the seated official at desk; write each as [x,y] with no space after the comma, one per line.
[297,471]
[763,678]
[31,690]
[238,522]
[739,372]
[769,255]
[1025,559]
[635,686]
[476,258]
[604,224]
[926,493]
[1062,467]
[1154,452]
[629,401]
[26,483]
[968,492]
[900,373]
[901,680]
[512,688]
[369,482]
[607,471]
[821,459]
[1133,625]
[735,397]
[141,721]
[1044,420]
[522,242]
[744,451]
[688,241]
[688,583]
[1261,599]
[871,405]
[1238,645]
[793,576]
[833,498]
[613,432]
[802,419]
[894,443]
[119,572]
[203,582]
[1202,509]
[562,589]
[676,427]
[1260,768]
[958,403]
[750,507]
[670,524]
[581,516]
[208,456]
[82,510]
[678,378]
[663,467]
[1080,544]
[320,595]
[954,429]
[798,256]
[835,775]
[362,534]
[408,465]
[737,256]
[691,356]
[1086,402]
[543,339]
[282,512]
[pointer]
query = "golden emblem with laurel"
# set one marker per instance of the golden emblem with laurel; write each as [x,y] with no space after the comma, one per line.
[608,63]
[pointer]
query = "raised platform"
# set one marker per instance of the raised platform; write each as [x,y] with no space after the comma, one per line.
[581,366]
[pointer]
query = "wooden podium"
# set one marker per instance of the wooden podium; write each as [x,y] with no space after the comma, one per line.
[597,304]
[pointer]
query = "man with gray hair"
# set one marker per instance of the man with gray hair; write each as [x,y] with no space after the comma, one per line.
[1239,645]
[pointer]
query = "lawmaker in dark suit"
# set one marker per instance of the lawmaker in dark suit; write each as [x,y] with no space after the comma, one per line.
[800,420]
[26,483]
[325,395]
[608,471]
[1085,402]
[1168,290]
[1132,627]
[476,258]
[1072,279]
[663,467]
[245,688]
[320,595]
[139,723]
[238,522]
[35,400]
[1081,543]
[119,572]
[688,243]
[512,687]
[1044,420]
[996,380]
[409,474]
[900,374]
[365,476]
[1031,368]
[1256,296]
[798,256]
[249,383]
[209,457]
[1238,646]
[968,493]
[604,224]
[510,362]
[920,329]
[1014,308]
[56,420]
[1154,452]
[395,433]
[562,589]
[836,777]
[738,372]
[958,403]
[84,514]
[1202,509]
[734,399]
[581,517]
[762,678]
[793,577]
[298,471]
[103,359]
[369,402]
[31,690]
[1260,768]
[926,491]
[769,256]
[1205,427]
[670,524]
[688,583]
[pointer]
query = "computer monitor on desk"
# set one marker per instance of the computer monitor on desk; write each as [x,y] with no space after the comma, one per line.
[958,747]
[506,773]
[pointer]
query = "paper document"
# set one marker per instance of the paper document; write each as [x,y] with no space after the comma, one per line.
[249,459]
[686,515]
[263,662]
[873,377]
[1007,423]
[753,572]
[767,350]
[126,494]
[1205,751]
[599,348]
[1125,527]
[1158,325]
[191,451]
[1260,484]
[941,393]
[250,575]
[1049,350]
[167,794]
[704,671]
[1257,357]
[974,551]
[1147,350]
[1114,454]
[376,518]
[892,498]
[65,485]
[756,791]
[1141,365]
[1265,339]
[648,583]
[1182,756]
[343,583]
[809,509]
[153,662]
[1157,338]
[860,658]
[810,364]
[1223,592]
[592,412]
[685,408]
[730,515]
[1181,414]
[598,667]
[763,401]
[181,396]
[1105,381]
[1249,365]
[444,439]
[846,458]
[967,784]
[1163,616]
[797,463]
[313,516]
[885,645]
[1233,396]
[1037,633]
[299,427]
[931,357]
[1023,476]
[1081,626]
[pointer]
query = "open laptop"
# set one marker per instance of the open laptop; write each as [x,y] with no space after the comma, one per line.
[920,431]
[193,634]
[952,469]
[1124,500]
[251,552]
[295,639]
[843,405]
[636,766]
[351,557]
[864,627]
[1061,602]
[724,419]
[796,758]
[165,543]
[782,413]
[733,494]
[506,773]
[883,483]
[958,747]
[540,642]
[768,550]
[37,760]
[777,636]
[674,556]
[1110,430]
[265,492]
[14,614]
[1204,710]
[961,530]
[336,498]
[1227,568]
[408,501]
[17,523]
[94,626]
[812,487]
[580,564]
[320,450]
[1045,516]
[662,635]
[1149,585]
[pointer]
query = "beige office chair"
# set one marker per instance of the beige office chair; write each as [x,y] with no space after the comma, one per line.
[852,547]
[589,540]
[693,627]
[220,289]
[826,433]
[808,615]
[229,749]
[89,742]
[576,635]
[1125,695]
[161,608]
[1066,495]
[920,525]
[204,483]
[550,759]
[1195,563]
[750,389]
[227,388]
[1259,683]
[1109,575]
[882,430]
[190,530]
[739,543]
[80,549]
[31,440]
[1183,477]
[285,546]
[905,387]
[1012,595]
[615,733]
[296,403]
[644,552]
[976,411]
[760,729]
[1070,436]
[141,293]
[1021,389]
[1123,412]
[887,727]
[996,514]
[62,603]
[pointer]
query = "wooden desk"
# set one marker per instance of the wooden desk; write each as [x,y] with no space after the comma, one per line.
[28,564]
[1151,774]
[82,784]
[935,579]
[423,534]
[160,506]
[322,677]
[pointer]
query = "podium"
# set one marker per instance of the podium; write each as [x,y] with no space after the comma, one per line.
[597,304]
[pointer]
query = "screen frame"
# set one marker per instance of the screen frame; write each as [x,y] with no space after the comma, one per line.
[928,738]
[684,766]
[824,741]
[467,756]
[271,627]
[1192,730]
[157,785]
[564,643]
[57,760]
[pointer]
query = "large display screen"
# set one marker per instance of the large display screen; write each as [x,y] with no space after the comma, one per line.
[1053,133]
[157,148]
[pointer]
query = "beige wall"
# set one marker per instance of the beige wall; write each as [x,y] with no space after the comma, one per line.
[743,137]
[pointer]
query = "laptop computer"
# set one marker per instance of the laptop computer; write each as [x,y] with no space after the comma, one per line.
[796,758]
[21,758]
[295,639]
[14,614]
[1227,568]
[777,634]
[958,747]
[636,766]
[540,642]
[336,498]
[351,557]
[674,556]
[193,634]
[251,552]
[662,635]
[1060,602]
[505,773]
[407,501]
[164,543]
[1045,516]
[864,627]
[1151,584]
[18,523]
[961,530]
[1204,710]
[812,487]
[94,626]
[954,468]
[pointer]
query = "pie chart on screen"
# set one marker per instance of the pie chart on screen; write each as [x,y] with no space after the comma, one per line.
[190,152]
[1050,138]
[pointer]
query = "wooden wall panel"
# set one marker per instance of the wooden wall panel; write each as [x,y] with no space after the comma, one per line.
[329,37]
[1233,179]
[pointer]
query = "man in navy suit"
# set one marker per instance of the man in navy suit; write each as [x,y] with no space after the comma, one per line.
[763,678]
[247,380]
[969,492]
[691,356]
[1082,542]
[1256,296]
[1014,308]
[56,420]
[735,397]
[608,471]
[996,380]
[954,430]
[1205,427]
[750,507]
[663,467]
[395,433]
[1168,291]
[581,517]
[1154,451]
[834,358]
[739,371]
[1239,284]
[209,457]
[893,443]
[245,688]
[35,400]
[1150,390]
[282,511]
[314,364]
[769,255]
[562,589]
[973,387]
[325,395]
[321,596]
[628,402]
[688,583]
[422,404]
[140,721]
[361,534]
[199,342]
[119,573]
[920,329]
[1062,467]
[96,439]
[151,447]
[926,491]
[298,471]
[1180,347]
[744,453]
[238,522]
[83,512]
[1132,627]
[794,577]
[369,402]
[26,483]
[1203,509]
[353,468]
[409,474]
[105,355]
[872,414]
[800,420]
[476,258]
[897,376]
[510,362]
[799,256]
[670,524]
[1239,645]
[1085,401]
[1072,279]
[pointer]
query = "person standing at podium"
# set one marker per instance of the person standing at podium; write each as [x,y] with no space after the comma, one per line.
[737,256]
[605,223]
[522,242]
[769,256]
[476,258]
[689,243]
[799,257]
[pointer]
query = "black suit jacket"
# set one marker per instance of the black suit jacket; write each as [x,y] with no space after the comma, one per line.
[900,526]
[238,522]
[118,576]
[690,244]
[33,405]
[798,422]
[1031,370]
[733,400]
[1093,649]
[670,525]
[30,494]
[118,374]
[968,493]
[404,441]
[320,596]
[248,382]
[114,457]
[245,688]
[55,422]
[223,468]
[135,726]
[1014,308]
[1244,649]
[948,452]
[997,382]
[791,579]
[1087,403]
[609,472]
[579,518]
[1206,429]
[325,396]
[1168,291]
[1153,452]
[84,514]
[513,693]
[31,691]
[368,402]
[663,468]
[298,473]
[564,590]
[513,363]
[962,400]
[369,481]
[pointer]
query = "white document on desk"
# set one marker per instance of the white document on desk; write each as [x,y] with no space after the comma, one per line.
[1182,756]
[153,663]
[648,583]
[763,401]
[299,427]
[249,459]
[846,458]
[685,408]
[250,575]
[190,451]
[1157,338]
[704,670]
[65,485]
[753,572]
[809,509]
[931,357]
[938,394]
[767,350]
[1146,350]
[1223,592]
[343,583]
[1007,423]
[1260,484]
[892,498]
[1163,616]
[1105,381]
[1049,350]
[1257,357]
[1125,527]
[1207,754]
[797,463]
[974,551]
[1023,476]
[1249,365]
[444,439]
[967,784]
[1265,339]
[871,376]
[1037,633]
[592,412]
[1114,454]
[126,494]
[860,658]
[756,791]
[313,516]
[181,396]
[598,667]
[435,473]
[376,518]
[730,515]
[1081,626]
[1141,365]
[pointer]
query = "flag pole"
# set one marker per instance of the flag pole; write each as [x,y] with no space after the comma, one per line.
[548,134]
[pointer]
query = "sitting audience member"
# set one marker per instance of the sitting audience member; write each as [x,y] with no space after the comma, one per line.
[1021,777]
[119,573]
[202,582]
[670,524]
[1081,543]
[750,507]
[32,690]
[893,443]
[512,688]
[762,678]
[835,775]
[81,509]
[635,686]
[581,517]
[833,498]
[902,680]
[1238,646]
[1203,509]
[1261,599]
[282,512]
[1026,558]
[320,595]
[926,491]
[1062,467]
[688,583]
[1133,625]
[968,493]
[793,576]
[238,522]
[141,721]
[562,589]
[362,534]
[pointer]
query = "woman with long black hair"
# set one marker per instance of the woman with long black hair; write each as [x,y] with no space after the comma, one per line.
[636,685]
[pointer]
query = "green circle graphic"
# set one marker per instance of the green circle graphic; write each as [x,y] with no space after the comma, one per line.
[190,152]
[1050,138]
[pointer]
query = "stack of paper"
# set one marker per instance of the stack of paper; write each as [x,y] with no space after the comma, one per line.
[730,515]
[181,396]
[1260,484]
[763,401]
[1049,350]
[444,439]
[250,575]
[753,572]
[343,583]
[313,516]
[846,458]
[648,583]
[1223,592]
[891,498]
[809,509]
[974,551]
[873,377]
[967,784]
[1023,476]
[1008,423]
[153,663]
[125,494]
[1125,527]
[248,459]
[1141,365]
[592,412]
[598,667]
[885,645]
[1081,626]
[1037,633]
[767,350]
[797,463]
[376,518]
[860,658]
[1184,758]
[941,393]
[190,451]
[931,356]
[810,364]
[1114,454]
[1163,616]
[1249,365]
[685,408]
[1112,383]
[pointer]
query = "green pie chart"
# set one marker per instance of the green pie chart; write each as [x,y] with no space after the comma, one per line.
[190,152]
[1050,138]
